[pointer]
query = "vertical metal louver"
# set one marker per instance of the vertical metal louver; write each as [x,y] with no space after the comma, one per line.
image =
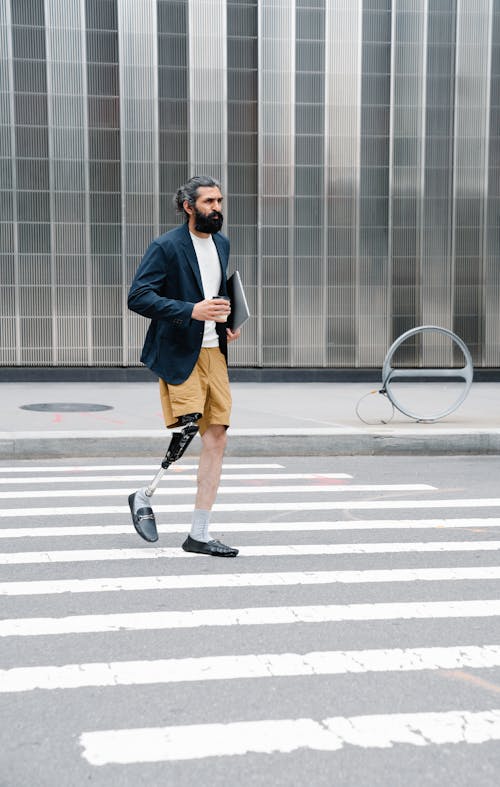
[358,144]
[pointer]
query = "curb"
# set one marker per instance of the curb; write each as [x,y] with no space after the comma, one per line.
[255,442]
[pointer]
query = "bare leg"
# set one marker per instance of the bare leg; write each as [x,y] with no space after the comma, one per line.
[209,470]
[210,466]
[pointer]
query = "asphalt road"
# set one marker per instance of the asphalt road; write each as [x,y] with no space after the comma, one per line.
[355,640]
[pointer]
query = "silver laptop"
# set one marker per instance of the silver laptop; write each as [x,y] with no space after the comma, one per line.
[239,306]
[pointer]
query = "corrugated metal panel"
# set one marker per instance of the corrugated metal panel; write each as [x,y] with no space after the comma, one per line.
[242,165]
[491,230]
[276,181]
[139,171]
[358,144]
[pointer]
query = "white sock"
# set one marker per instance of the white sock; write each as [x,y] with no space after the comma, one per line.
[200,524]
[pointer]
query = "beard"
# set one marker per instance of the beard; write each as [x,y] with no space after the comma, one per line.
[211,222]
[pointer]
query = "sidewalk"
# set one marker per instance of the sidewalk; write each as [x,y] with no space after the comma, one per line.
[268,419]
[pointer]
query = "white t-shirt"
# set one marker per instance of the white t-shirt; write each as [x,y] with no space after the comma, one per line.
[210,270]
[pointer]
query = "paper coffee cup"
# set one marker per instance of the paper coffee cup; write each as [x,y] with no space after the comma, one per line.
[223,317]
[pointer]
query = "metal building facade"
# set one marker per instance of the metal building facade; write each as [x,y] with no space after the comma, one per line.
[358,142]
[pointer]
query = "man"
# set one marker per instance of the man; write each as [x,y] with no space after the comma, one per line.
[176,286]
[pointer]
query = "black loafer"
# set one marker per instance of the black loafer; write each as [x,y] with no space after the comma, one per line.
[144,521]
[214,548]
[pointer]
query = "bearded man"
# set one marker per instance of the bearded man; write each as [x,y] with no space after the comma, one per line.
[180,286]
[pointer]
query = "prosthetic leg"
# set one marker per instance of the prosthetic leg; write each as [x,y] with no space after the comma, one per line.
[140,501]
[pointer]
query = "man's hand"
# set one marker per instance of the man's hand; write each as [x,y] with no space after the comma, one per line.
[232,335]
[211,309]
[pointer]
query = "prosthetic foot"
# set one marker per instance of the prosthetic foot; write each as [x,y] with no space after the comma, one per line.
[142,515]
[140,502]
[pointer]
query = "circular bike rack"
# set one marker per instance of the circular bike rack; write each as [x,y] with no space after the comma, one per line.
[389,374]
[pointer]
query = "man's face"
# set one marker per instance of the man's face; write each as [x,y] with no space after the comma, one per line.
[206,216]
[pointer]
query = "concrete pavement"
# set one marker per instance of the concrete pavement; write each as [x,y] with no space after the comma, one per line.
[268,419]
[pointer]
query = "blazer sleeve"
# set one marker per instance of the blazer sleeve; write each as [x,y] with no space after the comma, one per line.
[146,291]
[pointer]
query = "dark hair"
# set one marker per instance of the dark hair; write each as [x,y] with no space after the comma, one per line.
[189,191]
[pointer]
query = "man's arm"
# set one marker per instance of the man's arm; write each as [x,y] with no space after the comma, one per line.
[145,296]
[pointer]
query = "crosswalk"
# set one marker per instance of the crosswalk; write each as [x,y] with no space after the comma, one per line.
[312,601]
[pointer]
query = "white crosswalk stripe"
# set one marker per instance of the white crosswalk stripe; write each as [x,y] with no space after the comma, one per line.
[260,527]
[235,667]
[289,550]
[248,616]
[224,490]
[269,578]
[287,735]
[323,477]
[89,468]
[75,581]
[251,507]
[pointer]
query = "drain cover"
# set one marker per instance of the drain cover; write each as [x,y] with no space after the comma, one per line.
[65,407]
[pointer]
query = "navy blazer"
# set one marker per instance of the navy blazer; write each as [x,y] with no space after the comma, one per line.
[165,288]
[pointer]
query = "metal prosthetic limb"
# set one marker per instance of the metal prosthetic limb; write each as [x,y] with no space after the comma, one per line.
[142,514]
[178,444]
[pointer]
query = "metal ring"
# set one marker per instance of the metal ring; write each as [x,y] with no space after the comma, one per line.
[389,374]
[380,420]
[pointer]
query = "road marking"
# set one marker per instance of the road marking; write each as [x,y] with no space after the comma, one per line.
[281,550]
[236,667]
[192,581]
[230,490]
[474,680]
[326,505]
[178,477]
[161,744]
[248,616]
[92,468]
[256,527]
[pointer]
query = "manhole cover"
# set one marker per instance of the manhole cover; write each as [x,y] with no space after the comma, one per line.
[65,407]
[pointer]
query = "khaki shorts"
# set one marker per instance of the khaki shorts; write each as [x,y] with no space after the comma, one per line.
[205,391]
